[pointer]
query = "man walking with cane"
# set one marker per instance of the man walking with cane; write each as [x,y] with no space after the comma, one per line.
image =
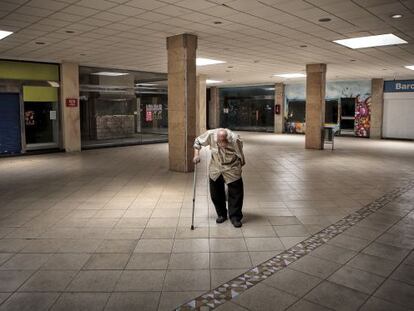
[226,163]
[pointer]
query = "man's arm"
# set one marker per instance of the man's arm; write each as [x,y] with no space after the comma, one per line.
[201,141]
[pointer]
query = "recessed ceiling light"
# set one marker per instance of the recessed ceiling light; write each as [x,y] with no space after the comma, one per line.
[411,67]
[325,20]
[69,31]
[82,54]
[208,81]
[303,46]
[290,75]
[4,34]
[397,16]
[352,60]
[371,41]
[218,23]
[110,74]
[230,67]
[39,43]
[207,61]
[256,61]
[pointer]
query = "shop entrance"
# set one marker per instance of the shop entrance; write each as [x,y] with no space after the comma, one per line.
[39,121]
[10,135]
[347,116]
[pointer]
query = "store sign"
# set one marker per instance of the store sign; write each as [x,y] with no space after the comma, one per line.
[72,102]
[399,86]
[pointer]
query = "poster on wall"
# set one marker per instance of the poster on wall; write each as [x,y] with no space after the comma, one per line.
[154,112]
[148,116]
[362,116]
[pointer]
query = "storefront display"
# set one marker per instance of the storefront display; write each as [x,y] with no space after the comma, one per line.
[122,108]
[247,108]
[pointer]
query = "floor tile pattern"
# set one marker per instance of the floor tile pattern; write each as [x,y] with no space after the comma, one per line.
[243,282]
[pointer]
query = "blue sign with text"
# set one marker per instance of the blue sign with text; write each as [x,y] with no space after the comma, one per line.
[399,86]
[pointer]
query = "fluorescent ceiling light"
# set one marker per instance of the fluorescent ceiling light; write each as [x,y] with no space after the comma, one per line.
[371,41]
[53,83]
[212,81]
[291,75]
[4,34]
[410,67]
[110,74]
[146,84]
[207,61]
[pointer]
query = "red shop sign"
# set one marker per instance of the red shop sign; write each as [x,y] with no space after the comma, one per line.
[71,102]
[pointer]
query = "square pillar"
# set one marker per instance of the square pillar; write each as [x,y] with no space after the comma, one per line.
[70,114]
[181,101]
[315,105]
[201,108]
[280,102]
[214,108]
[377,106]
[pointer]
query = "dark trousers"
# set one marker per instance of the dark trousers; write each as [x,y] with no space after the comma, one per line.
[235,197]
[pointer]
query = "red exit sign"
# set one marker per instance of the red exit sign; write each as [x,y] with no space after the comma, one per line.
[71,102]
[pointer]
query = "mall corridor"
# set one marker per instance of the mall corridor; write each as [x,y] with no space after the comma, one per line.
[109,229]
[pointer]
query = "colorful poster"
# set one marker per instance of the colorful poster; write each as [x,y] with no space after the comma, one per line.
[362,116]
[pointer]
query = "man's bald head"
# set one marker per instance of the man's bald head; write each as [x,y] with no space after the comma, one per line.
[222,138]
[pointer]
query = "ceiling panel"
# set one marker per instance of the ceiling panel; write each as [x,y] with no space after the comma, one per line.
[257,38]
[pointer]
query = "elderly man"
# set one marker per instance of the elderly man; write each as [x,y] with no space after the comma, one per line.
[226,163]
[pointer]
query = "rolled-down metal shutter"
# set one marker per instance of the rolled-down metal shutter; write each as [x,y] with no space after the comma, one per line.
[10,139]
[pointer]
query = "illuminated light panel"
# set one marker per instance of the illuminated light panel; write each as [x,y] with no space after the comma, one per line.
[110,74]
[290,75]
[208,61]
[213,81]
[411,67]
[371,41]
[4,34]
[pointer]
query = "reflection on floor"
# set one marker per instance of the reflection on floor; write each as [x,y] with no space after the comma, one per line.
[109,228]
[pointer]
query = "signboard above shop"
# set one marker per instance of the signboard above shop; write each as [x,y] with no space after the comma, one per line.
[399,86]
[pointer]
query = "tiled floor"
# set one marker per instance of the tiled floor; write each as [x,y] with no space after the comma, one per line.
[109,229]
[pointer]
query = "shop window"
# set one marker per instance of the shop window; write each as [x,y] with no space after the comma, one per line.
[121,107]
[247,108]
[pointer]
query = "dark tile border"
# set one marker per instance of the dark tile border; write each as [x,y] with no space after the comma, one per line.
[238,285]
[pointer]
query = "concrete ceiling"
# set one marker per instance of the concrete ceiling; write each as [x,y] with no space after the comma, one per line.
[255,38]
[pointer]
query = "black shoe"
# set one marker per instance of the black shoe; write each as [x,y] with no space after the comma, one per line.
[236,223]
[221,219]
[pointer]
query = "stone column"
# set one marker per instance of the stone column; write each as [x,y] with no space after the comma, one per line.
[181,101]
[280,100]
[377,106]
[214,108]
[70,114]
[201,108]
[315,105]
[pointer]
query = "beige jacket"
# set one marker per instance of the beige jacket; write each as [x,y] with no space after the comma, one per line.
[224,161]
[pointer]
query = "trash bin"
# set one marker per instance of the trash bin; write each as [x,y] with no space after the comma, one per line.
[329,136]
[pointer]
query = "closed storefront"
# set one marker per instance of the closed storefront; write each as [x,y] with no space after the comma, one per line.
[29,107]
[398,117]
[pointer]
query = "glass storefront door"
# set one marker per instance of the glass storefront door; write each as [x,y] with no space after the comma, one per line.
[40,121]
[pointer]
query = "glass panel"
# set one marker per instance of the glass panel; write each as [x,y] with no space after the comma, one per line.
[40,122]
[247,108]
[120,107]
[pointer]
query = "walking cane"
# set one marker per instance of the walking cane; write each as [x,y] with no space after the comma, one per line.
[194,193]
